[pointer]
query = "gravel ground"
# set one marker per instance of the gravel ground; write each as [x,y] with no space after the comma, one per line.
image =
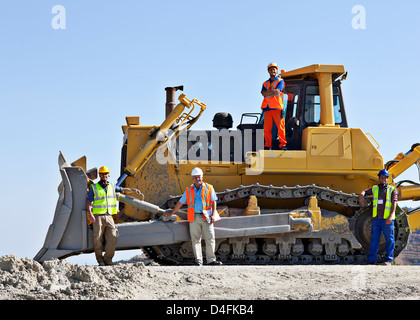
[24,279]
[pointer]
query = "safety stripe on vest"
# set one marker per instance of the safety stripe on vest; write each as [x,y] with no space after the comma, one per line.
[272,85]
[388,202]
[207,197]
[104,206]
[190,197]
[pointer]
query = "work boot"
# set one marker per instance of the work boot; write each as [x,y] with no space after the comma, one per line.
[215,263]
[109,263]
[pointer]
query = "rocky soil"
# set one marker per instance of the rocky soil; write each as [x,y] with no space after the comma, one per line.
[24,279]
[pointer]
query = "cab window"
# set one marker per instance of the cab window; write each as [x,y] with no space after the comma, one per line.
[313,105]
[290,101]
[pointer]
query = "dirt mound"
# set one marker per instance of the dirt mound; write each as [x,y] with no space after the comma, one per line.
[59,279]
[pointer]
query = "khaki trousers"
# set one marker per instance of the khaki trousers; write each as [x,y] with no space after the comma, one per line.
[104,226]
[201,228]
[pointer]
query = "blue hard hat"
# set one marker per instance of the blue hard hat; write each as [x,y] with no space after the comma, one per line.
[383,172]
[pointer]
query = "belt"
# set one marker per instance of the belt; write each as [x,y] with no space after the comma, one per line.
[198,213]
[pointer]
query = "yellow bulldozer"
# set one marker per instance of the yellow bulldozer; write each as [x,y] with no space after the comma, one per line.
[294,206]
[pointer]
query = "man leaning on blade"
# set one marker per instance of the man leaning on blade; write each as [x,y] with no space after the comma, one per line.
[201,199]
[101,205]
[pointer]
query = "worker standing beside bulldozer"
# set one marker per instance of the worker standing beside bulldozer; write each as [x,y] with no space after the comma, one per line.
[201,200]
[101,205]
[384,203]
[272,105]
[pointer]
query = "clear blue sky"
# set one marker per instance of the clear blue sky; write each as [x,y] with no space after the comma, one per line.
[71,89]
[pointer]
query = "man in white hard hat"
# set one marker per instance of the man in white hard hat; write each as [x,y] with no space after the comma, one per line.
[201,199]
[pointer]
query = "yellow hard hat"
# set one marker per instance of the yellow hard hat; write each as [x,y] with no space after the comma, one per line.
[103,169]
[272,64]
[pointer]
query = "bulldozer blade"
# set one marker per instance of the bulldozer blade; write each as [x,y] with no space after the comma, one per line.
[81,162]
[92,174]
[69,233]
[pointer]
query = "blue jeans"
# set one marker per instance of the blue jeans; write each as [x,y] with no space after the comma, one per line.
[379,226]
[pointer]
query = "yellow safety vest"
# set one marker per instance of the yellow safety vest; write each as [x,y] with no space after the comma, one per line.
[388,202]
[104,202]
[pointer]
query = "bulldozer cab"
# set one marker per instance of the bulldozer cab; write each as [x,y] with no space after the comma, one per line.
[303,109]
[302,105]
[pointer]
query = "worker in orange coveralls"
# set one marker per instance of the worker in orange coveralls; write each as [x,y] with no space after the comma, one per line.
[272,105]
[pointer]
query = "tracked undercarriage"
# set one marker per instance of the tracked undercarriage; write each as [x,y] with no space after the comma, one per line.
[342,239]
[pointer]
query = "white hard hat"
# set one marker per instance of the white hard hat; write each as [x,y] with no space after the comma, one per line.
[197,172]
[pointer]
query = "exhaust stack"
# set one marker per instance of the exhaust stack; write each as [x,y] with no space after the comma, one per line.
[170,99]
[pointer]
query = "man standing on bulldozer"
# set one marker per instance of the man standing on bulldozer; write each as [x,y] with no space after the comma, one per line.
[101,205]
[272,105]
[201,200]
[384,203]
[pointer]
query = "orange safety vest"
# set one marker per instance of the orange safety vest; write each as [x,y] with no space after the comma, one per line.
[273,102]
[205,198]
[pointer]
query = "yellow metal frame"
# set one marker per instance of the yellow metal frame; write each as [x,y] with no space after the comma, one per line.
[153,143]
[414,221]
[406,162]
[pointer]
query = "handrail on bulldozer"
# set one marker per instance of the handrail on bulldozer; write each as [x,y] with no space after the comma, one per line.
[405,162]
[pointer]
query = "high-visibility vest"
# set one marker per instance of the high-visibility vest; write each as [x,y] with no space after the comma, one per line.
[388,202]
[273,102]
[104,202]
[206,190]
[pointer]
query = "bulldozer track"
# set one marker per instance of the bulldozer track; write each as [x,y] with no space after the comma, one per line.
[303,253]
[271,192]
